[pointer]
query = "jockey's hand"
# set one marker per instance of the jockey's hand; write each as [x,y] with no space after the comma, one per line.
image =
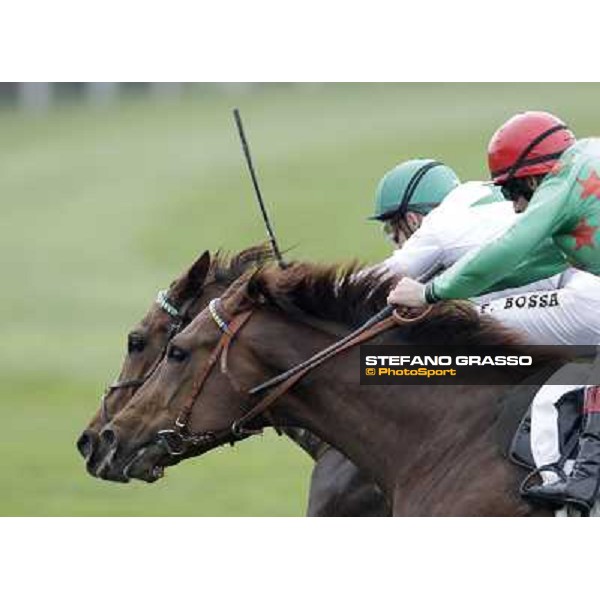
[407,292]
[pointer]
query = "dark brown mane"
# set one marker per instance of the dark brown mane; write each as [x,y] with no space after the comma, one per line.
[349,296]
[336,293]
[225,268]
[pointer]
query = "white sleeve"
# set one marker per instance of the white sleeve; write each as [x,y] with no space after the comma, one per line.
[420,257]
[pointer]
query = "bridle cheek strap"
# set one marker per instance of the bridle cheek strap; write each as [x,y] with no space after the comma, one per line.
[220,350]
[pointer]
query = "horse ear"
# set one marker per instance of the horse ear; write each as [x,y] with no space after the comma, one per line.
[256,289]
[198,271]
[189,284]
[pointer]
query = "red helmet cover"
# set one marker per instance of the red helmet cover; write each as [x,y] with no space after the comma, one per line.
[529,143]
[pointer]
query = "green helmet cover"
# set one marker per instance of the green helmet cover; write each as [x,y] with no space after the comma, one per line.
[417,185]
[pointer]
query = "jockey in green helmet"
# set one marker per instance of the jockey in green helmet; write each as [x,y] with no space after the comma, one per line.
[408,192]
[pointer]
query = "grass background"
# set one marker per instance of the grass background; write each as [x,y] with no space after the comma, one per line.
[100,208]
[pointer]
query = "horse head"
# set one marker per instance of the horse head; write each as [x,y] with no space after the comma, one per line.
[196,399]
[147,341]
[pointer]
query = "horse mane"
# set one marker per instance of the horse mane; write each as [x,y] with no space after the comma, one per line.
[342,294]
[347,295]
[225,268]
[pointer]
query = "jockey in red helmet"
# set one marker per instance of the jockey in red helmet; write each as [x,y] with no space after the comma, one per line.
[525,149]
[541,168]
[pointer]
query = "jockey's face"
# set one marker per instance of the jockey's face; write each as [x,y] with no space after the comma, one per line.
[520,191]
[520,205]
[399,229]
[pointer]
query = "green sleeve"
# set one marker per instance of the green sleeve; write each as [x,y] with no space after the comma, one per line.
[480,269]
[546,262]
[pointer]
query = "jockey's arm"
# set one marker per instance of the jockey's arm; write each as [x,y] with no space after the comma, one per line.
[421,256]
[547,261]
[480,269]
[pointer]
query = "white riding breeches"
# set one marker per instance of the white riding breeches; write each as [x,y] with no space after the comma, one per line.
[568,315]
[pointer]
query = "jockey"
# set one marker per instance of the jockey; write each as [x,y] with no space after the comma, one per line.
[408,192]
[541,167]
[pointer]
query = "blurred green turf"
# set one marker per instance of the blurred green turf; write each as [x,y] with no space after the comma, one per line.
[100,208]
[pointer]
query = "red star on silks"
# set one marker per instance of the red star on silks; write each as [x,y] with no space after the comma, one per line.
[556,169]
[591,186]
[584,234]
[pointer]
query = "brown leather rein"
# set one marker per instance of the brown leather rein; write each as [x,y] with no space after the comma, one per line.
[180,439]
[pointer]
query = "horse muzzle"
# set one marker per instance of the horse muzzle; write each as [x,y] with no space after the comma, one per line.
[86,443]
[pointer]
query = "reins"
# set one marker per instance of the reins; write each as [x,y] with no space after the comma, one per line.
[377,325]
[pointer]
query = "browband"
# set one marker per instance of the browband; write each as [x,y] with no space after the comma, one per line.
[163,301]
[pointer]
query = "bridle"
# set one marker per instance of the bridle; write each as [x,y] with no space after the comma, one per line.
[179,317]
[180,439]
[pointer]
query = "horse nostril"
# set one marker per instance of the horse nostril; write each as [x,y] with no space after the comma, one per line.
[108,437]
[85,444]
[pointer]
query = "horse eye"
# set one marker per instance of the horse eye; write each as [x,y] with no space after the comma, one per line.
[135,343]
[177,354]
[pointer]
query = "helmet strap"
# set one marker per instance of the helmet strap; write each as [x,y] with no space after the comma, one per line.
[412,185]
